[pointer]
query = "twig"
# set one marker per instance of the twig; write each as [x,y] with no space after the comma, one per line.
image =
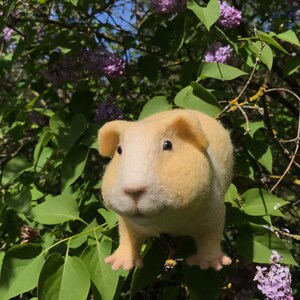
[297,139]
[235,100]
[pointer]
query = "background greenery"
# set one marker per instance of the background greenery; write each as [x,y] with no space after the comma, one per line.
[55,232]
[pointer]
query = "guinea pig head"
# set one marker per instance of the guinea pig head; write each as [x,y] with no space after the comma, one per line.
[158,165]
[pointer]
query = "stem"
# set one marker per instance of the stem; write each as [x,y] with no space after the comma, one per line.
[68,239]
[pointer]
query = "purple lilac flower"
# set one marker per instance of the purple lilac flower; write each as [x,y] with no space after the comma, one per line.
[168,6]
[218,53]
[275,282]
[229,16]
[112,66]
[6,34]
[107,111]
[95,62]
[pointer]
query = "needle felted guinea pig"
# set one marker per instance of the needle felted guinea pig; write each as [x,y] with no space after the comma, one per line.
[168,174]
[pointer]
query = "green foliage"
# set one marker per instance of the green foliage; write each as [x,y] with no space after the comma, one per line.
[54,229]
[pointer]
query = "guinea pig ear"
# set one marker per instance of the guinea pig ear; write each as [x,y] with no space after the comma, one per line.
[187,127]
[109,137]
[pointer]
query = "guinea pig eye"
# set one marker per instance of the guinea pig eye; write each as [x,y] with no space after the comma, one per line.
[167,145]
[119,150]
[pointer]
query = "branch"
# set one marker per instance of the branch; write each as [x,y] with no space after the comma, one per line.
[297,139]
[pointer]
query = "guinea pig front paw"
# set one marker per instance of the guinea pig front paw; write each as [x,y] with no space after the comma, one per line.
[204,263]
[122,260]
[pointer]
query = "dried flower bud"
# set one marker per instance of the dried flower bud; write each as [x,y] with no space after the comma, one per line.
[28,234]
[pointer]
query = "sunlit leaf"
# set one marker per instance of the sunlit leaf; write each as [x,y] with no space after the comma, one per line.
[56,210]
[219,71]
[63,279]
[20,270]
[259,202]
[155,105]
[289,36]
[198,98]
[255,243]
[231,194]
[207,15]
[267,37]
[105,280]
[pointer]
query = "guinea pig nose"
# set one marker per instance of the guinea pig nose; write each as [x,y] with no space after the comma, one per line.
[135,192]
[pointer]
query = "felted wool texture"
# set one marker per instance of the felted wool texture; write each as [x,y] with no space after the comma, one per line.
[183,188]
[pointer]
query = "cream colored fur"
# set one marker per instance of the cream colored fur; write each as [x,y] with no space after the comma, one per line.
[178,191]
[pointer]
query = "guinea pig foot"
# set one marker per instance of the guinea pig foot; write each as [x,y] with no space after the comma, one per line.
[119,260]
[204,263]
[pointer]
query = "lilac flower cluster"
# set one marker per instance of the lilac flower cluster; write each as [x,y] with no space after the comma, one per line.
[91,63]
[6,34]
[274,283]
[107,111]
[218,53]
[168,6]
[95,62]
[229,16]
[112,66]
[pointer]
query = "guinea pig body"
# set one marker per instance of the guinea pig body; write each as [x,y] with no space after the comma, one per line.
[168,174]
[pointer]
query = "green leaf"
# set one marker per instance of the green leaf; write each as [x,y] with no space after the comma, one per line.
[258,202]
[231,194]
[219,71]
[63,280]
[255,243]
[259,150]
[153,259]
[198,98]
[202,284]
[291,66]
[20,270]
[267,37]
[20,202]
[289,36]
[109,216]
[207,15]
[105,280]
[44,139]
[14,168]
[156,104]
[73,2]
[73,165]
[254,126]
[245,166]
[89,138]
[56,210]
[177,33]
[43,158]
[92,229]
[82,103]
[149,66]
[266,54]
[68,133]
